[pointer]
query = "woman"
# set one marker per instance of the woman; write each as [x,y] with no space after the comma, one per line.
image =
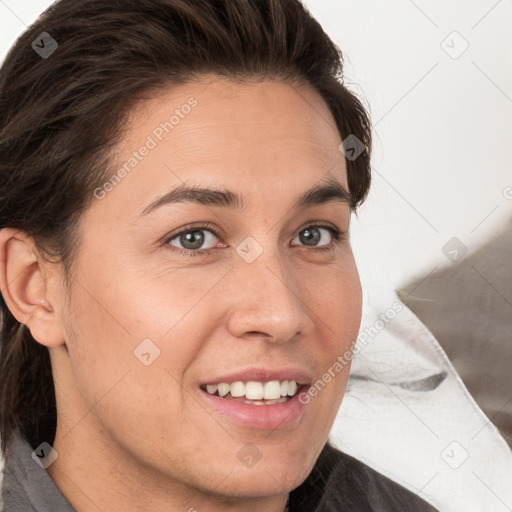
[177,181]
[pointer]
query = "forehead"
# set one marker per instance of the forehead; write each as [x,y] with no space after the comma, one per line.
[265,137]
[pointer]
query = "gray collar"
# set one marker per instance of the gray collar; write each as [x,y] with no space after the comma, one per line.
[27,486]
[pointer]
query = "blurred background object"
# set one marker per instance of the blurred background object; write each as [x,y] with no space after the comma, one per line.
[468,308]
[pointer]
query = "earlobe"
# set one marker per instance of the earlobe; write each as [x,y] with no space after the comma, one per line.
[23,283]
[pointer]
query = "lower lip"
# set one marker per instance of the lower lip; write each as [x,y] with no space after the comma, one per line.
[263,417]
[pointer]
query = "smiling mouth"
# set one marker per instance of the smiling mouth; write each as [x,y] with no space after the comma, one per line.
[255,393]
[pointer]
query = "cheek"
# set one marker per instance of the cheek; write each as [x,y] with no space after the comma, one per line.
[335,299]
[98,345]
[109,371]
[123,321]
[334,294]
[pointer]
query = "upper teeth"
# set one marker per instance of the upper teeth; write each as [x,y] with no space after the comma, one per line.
[253,390]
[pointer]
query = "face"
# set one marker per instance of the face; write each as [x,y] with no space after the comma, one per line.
[168,295]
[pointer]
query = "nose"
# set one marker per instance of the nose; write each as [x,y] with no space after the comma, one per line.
[267,302]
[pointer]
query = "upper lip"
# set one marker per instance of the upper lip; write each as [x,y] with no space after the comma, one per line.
[263,375]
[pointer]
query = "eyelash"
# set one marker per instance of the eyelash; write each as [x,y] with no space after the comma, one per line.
[338,237]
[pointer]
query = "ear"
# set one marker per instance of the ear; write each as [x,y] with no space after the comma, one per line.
[23,283]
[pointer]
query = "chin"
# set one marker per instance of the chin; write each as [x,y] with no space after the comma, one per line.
[274,475]
[263,482]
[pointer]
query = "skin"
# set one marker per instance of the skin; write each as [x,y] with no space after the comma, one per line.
[135,437]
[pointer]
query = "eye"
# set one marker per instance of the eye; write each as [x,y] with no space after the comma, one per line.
[193,239]
[315,236]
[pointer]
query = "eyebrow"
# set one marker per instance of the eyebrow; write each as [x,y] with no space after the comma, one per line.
[330,190]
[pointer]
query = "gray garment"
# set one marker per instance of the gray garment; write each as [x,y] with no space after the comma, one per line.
[27,487]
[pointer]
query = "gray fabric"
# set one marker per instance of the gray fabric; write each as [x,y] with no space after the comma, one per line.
[27,487]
